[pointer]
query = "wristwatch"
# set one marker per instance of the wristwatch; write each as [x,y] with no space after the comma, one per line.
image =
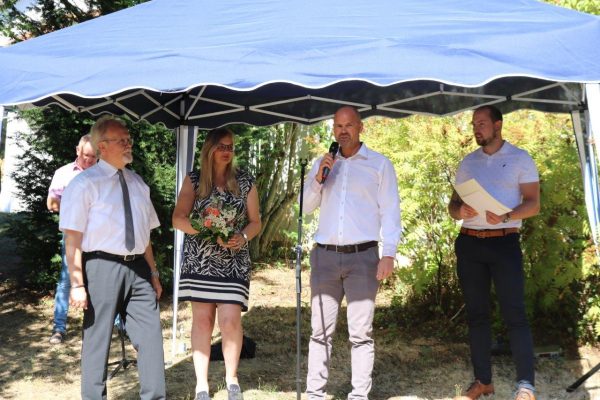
[506,218]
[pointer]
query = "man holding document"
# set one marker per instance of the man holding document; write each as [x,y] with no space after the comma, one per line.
[497,186]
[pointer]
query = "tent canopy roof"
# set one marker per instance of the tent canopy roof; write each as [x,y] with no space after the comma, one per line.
[208,63]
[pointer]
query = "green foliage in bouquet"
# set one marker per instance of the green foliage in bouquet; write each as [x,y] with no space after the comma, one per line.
[217,220]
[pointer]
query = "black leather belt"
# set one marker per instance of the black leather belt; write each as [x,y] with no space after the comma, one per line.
[112,257]
[348,248]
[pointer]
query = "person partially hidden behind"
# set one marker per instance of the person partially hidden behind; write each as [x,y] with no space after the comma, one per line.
[107,215]
[359,206]
[488,250]
[86,157]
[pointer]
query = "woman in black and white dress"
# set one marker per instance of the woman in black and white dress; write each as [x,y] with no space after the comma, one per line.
[215,276]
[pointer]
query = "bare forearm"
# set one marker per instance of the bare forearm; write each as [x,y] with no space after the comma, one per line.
[530,204]
[53,204]
[155,278]
[149,257]
[527,209]
[74,256]
[252,229]
[183,224]
[454,209]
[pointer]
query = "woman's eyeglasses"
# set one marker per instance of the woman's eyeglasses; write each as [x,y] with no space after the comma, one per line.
[225,147]
[121,142]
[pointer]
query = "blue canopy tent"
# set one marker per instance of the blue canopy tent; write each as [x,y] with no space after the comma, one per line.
[201,64]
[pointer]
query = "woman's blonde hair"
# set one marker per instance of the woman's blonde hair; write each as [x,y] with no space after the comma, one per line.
[209,147]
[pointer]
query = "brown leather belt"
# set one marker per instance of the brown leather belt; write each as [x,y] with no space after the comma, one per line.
[488,233]
[348,248]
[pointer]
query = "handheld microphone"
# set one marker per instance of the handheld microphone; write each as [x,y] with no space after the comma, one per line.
[333,149]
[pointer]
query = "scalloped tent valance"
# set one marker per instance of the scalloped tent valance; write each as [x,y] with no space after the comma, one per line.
[207,63]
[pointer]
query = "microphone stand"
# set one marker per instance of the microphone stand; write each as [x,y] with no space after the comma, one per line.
[303,163]
[125,362]
[583,378]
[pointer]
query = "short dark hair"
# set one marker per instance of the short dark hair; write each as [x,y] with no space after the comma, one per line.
[494,112]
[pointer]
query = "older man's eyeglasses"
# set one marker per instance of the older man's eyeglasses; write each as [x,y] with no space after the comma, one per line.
[225,147]
[120,142]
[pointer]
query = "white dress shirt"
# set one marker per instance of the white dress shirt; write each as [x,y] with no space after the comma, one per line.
[500,174]
[93,204]
[359,201]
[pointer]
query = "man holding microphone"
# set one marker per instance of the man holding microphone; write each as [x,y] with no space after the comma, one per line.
[359,207]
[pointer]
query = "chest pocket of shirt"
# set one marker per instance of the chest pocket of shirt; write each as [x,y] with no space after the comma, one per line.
[106,217]
[363,181]
[139,208]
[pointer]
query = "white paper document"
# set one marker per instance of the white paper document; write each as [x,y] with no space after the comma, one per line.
[472,193]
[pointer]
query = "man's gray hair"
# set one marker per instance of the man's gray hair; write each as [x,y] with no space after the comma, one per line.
[101,126]
[87,138]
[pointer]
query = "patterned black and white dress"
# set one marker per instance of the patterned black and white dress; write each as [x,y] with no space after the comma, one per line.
[209,272]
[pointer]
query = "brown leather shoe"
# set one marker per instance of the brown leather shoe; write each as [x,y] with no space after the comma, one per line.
[476,390]
[524,394]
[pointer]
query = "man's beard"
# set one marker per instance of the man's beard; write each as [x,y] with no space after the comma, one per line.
[484,142]
[128,158]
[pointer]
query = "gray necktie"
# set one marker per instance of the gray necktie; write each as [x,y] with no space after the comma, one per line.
[129,235]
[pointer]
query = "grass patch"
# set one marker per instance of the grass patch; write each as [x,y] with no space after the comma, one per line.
[407,365]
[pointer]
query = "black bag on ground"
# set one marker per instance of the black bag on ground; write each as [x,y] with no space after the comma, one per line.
[248,350]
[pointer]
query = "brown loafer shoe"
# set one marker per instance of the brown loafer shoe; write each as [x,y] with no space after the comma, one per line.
[524,394]
[476,390]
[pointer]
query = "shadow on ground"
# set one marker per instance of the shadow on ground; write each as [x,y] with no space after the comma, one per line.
[407,365]
[404,368]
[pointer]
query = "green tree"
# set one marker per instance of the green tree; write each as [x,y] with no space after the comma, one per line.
[560,261]
[56,131]
[586,6]
[51,144]
[425,152]
[45,16]
[589,303]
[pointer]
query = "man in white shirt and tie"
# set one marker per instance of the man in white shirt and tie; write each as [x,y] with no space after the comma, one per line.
[359,207]
[107,215]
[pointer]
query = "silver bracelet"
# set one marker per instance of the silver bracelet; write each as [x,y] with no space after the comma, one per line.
[244,235]
[155,273]
[76,286]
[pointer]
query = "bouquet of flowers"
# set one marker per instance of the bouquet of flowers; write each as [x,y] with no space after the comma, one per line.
[215,221]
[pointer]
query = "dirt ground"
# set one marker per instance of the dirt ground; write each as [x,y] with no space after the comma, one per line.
[406,366]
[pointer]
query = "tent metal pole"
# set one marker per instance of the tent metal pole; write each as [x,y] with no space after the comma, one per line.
[589,172]
[303,163]
[592,93]
[592,125]
[186,147]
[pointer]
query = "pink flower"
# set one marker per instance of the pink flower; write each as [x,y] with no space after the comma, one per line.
[213,211]
[207,223]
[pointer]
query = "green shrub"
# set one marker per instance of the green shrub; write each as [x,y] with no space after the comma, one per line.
[560,262]
[51,144]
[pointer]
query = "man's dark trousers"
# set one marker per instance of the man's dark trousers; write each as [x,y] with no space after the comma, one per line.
[482,261]
[115,287]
